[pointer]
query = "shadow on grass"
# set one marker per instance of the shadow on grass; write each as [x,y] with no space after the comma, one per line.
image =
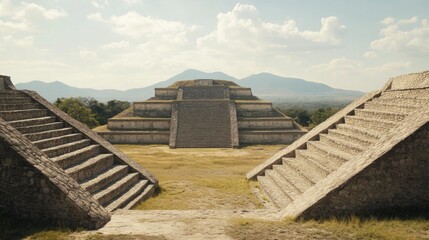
[11,228]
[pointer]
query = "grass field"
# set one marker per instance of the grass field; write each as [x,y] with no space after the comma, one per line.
[200,178]
[214,179]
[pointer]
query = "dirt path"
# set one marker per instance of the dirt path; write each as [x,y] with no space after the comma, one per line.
[177,224]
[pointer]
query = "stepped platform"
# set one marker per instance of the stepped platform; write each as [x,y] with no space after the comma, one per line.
[181,113]
[371,156]
[58,170]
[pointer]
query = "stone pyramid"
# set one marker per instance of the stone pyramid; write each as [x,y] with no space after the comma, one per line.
[371,156]
[53,168]
[202,113]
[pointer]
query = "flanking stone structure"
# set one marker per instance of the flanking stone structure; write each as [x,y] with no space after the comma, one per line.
[371,156]
[55,169]
[202,113]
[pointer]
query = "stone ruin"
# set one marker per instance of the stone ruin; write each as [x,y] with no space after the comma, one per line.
[371,156]
[202,113]
[55,169]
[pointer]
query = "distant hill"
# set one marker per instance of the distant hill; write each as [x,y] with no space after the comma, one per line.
[262,84]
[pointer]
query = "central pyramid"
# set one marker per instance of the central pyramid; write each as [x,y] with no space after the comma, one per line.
[202,113]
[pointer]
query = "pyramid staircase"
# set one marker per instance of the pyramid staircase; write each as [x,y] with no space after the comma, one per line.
[308,171]
[108,175]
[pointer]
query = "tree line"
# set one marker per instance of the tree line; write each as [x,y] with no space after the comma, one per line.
[90,111]
[310,118]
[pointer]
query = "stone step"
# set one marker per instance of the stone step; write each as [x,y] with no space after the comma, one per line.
[22,106]
[32,122]
[11,93]
[48,134]
[16,100]
[403,101]
[288,188]
[385,115]
[329,151]
[72,158]
[363,132]
[127,196]
[273,192]
[40,128]
[314,158]
[108,194]
[400,108]
[362,140]
[66,148]
[91,167]
[407,94]
[301,182]
[55,141]
[311,172]
[112,174]
[371,123]
[14,115]
[147,192]
[344,145]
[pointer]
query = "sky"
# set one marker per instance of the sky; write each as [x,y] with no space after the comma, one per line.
[123,44]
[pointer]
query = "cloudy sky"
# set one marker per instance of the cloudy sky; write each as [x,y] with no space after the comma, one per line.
[124,44]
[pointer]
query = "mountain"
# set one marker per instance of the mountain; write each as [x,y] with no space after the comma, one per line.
[263,84]
[270,85]
[53,90]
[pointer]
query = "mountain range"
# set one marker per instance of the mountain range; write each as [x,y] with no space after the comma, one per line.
[264,85]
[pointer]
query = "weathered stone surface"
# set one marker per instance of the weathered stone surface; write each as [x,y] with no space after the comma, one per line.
[252,121]
[65,165]
[369,157]
[33,187]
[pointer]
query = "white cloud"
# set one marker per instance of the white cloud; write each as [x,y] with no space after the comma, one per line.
[88,55]
[404,35]
[24,41]
[9,26]
[338,66]
[131,2]
[370,54]
[95,16]
[243,29]
[32,10]
[390,67]
[26,16]
[116,45]
[100,3]
[137,26]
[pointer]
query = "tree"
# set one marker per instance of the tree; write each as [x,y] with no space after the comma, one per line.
[77,110]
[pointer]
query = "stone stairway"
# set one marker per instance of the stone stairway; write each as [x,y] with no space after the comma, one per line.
[90,161]
[203,123]
[302,168]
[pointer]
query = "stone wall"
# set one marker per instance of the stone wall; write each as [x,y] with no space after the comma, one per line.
[6,83]
[166,93]
[138,124]
[254,106]
[35,188]
[398,180]
[269,137]
[204,92]
[265,123]
[152,109]
[136,137]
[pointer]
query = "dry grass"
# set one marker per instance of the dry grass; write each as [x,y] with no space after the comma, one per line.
[353,228]
[214,179]
[200,178]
